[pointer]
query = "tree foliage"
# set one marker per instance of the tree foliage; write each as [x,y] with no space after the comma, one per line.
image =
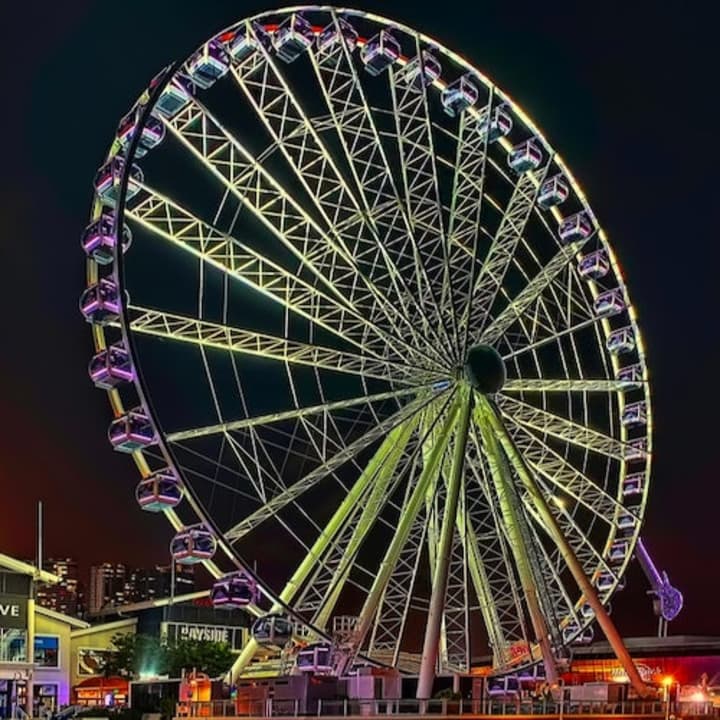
[135,655]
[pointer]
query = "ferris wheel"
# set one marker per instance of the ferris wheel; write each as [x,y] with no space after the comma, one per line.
[358,324]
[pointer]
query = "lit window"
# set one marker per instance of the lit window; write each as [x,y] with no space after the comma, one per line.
[47,651]
[13,646]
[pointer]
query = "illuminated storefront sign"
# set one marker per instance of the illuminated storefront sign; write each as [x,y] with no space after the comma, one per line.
[174,632]
[13,611]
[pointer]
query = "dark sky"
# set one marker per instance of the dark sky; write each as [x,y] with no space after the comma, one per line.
[623,90]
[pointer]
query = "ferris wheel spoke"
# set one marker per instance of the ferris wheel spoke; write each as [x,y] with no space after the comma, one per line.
[421,189]
[399,464]
[455,644]
[168,326]
[529,295]
[315,476]
[393,608]
[502,250]
[544,422]
[579,385]
[586,552]
[324,409]
[297,139]
[549,464]
[174,223]
[490,565]
[382,211]
[466,204]
[558,602]
[252,184]
[530,574]
[411,510]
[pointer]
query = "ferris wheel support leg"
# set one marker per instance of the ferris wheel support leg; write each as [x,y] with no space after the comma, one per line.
[568,554]
[431,644]
[500,473]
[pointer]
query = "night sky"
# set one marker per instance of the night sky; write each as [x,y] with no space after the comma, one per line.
[622,89]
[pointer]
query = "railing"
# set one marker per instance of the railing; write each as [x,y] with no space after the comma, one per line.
[449,708]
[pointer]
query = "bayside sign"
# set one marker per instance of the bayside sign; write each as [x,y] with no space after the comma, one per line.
[13,611]
[232,635]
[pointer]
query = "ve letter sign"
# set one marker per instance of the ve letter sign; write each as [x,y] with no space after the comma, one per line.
[13,611]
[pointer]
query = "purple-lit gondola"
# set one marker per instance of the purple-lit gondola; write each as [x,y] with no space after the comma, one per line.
[208,64]
[98,239]
[293,37]
[159,491]
[151,135]
[108,177]
[100,303]
[234,590]
[380,52]
[131,431]
[192,545]
[111,367]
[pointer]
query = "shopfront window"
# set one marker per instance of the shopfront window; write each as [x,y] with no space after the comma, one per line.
[47,651]
[13,645]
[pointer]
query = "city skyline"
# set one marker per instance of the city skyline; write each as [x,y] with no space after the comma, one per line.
[108,584]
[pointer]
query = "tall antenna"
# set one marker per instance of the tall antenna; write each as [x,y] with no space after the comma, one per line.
[40,536]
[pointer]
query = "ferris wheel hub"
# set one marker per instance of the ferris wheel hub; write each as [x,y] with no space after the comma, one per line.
[485,369]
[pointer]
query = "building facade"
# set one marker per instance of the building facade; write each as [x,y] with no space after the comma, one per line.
[34,643]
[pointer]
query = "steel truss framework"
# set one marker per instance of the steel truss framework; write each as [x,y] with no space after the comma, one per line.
[316,251]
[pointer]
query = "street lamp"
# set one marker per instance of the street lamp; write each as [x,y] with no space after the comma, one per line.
[667,683]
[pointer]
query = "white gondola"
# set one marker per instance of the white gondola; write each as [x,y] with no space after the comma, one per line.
[315,658]
[100,302]
[574,634]
[459,95]
[151,135]
[499,125]
[605,581]
[630,377]
[634,414]
[525,156]
[421,71]
[636,449]
[234,590]
[553,192]
[192,545]
[132,431]
[594,265]
[293,37]
[586,612]
[609,303]
[173,97]
[575,227]
[380,52]
[98,239]
[160,491]
[247,40]
[503,687]
[633,484]
[111,367]
[274,629]
[621,341]
[208,64]
[329,36]
[626,521]
[108,177]
[619,551]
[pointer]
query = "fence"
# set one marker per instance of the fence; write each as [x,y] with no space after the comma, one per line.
[449,708]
